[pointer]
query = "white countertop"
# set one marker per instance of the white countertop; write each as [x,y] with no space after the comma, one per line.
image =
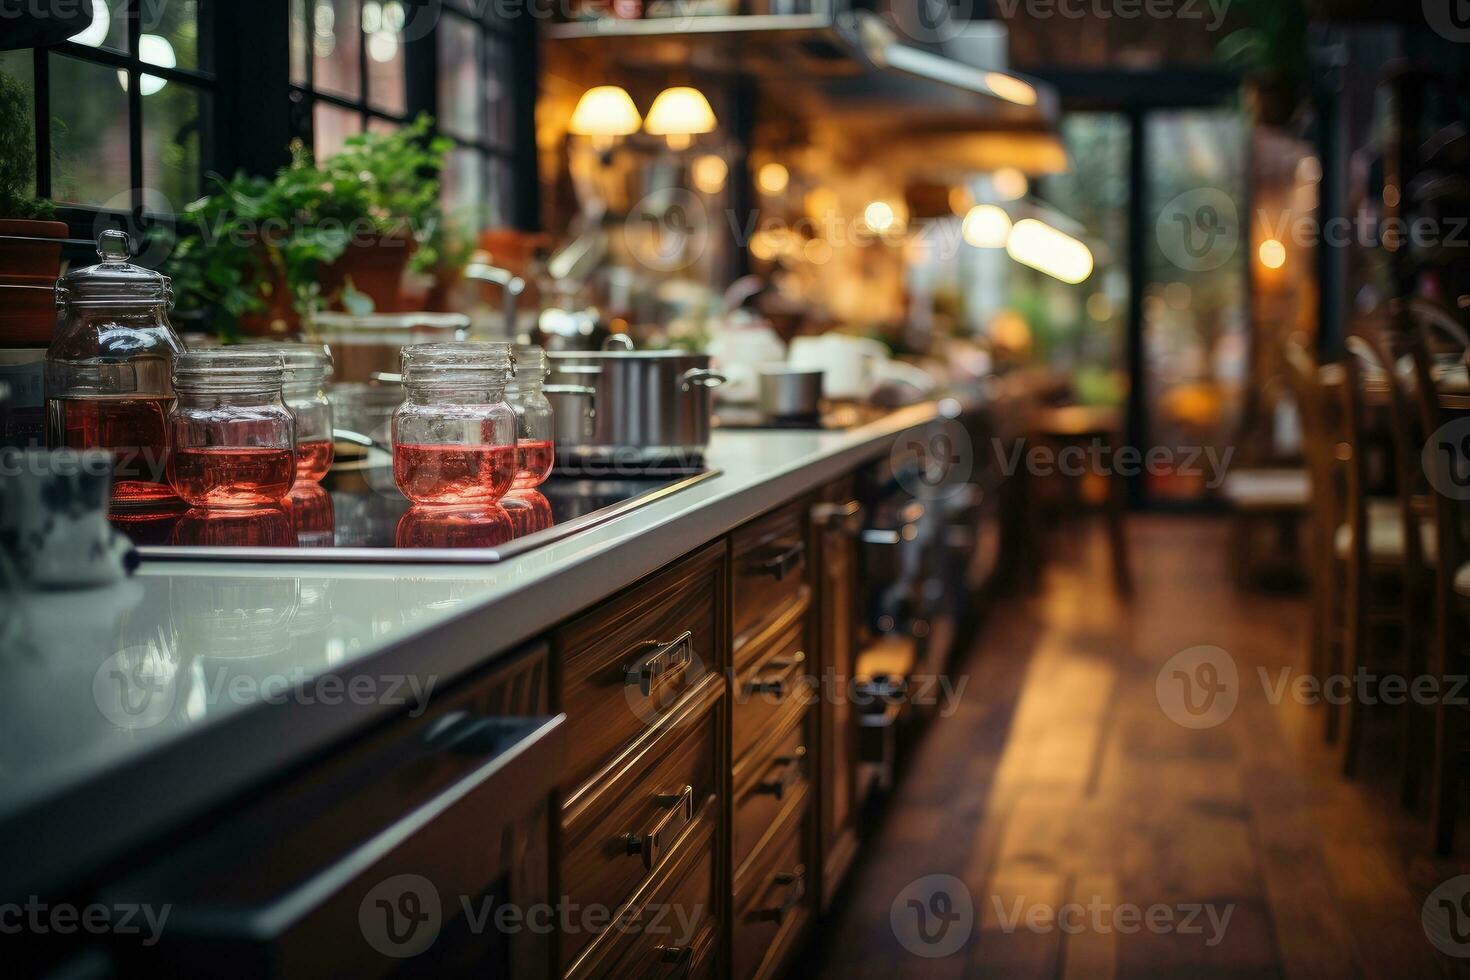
[129,708]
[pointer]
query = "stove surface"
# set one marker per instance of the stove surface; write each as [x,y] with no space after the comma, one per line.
[359,515]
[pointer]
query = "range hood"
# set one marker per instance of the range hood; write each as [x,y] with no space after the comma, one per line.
[853,70]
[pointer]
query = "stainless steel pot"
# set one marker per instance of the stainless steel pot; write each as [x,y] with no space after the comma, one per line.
[653,407]
[787,393]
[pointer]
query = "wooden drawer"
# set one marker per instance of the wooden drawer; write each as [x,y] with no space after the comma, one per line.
[627,664]
[779,676]
[625,831]
[672,928]
[770,570]
[770,784]
[771,907]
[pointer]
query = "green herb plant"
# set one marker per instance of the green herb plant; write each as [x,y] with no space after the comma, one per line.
[253,236]
[17,155]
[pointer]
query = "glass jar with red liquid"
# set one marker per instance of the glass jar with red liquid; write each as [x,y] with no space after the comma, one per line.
[454,436]
[535,424]
[233,438]
[308,368]
[108,370]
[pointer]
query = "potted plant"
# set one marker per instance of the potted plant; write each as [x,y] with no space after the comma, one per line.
[259,253]
[1271,50]
[30,240]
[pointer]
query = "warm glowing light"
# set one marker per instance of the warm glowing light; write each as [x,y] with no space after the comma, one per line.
[817,252]
[986,226]
[605,112]
[1100,307]
[678,115]
[1272,253]
[152,50]
[96,32]
[765,245]
[1038,245]
[821,203]
[879,217]
[382,46]
[710,173]
[1009,184]
[961,200]
[1010,88]
[773,178]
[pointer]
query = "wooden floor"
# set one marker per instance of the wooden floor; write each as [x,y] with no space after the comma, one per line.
[1060,781]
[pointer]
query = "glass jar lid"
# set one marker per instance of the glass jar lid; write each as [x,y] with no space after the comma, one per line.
[530,363]
[229,369]
[469,362]
[305,363]
[114,282]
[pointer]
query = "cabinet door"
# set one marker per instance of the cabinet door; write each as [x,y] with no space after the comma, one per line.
[836,523]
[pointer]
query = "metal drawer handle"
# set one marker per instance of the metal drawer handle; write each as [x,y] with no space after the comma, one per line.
[652,844]
[777,685]
[793,768]
[795,884]
[781,565]
[665,658]
[881,537]
[846,517]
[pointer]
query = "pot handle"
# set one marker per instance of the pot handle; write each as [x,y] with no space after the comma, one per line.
[618,341]
[701,378]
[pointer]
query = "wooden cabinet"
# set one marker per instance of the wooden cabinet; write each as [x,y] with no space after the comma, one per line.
[837,521]
[771,907]
[770,572]
[382,853]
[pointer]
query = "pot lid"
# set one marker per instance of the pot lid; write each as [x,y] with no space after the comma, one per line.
[115,281]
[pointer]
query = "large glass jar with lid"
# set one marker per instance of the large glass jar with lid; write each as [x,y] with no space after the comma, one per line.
[535,424]
[108,370]
[454,436]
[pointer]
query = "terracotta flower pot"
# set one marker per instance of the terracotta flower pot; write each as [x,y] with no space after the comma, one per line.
[28,274]
[376,268]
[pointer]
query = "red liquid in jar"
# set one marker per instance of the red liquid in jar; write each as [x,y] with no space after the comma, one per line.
[135,429]
[232,476]
[533,463]
[313,460]
[529,511]
[312,515]
[480,526]
[453,473]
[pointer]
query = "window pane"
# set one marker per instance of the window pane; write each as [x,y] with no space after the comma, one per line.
[459,70]
[386,127]
[20,65]
[173,121]
[109,28]
[336,45]
[89,133]
[497,95]
[300,33]
[460,186]
[170,33]
[498,203]
[382,26]
[333,126]
[1196,330]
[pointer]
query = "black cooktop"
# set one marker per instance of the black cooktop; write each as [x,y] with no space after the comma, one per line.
[359,515]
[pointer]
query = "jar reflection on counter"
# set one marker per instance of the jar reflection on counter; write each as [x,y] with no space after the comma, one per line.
[529,511]
[454,436]
[233,438]
[475,526]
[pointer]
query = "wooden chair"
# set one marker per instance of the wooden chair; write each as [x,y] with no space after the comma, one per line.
[1447,470]
[1269,489]
[1324,512]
